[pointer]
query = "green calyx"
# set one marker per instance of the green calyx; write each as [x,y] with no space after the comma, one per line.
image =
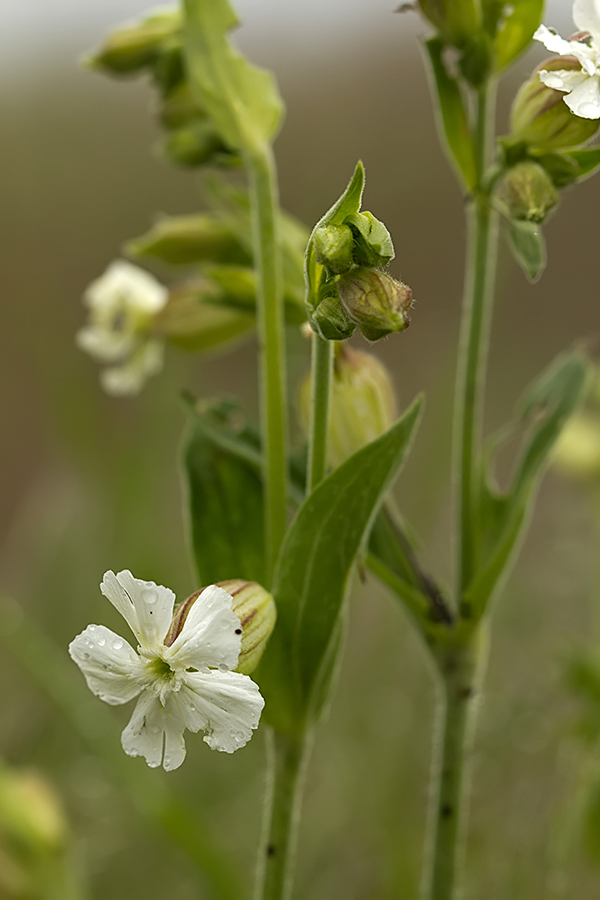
[137,46]
[375,302]
[527,192]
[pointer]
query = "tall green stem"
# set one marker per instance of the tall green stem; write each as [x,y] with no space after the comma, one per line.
[322,361]
[473,349]
[457,665]
[263,193]
[288,756]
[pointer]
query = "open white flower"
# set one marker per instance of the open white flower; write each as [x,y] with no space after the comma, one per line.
[582,86]
[183,681]
[123,303]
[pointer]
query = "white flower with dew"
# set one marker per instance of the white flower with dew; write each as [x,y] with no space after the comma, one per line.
[582,86]
[182,681]
[122,304]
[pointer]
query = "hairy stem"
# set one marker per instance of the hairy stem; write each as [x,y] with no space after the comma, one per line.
[263,194]
[288,756]
[322,362]
[473,349]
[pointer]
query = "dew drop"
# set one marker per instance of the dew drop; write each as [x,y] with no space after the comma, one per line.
[223,667]
[117,644]
[86,655]
[101,642]
[92,627]
[149,596]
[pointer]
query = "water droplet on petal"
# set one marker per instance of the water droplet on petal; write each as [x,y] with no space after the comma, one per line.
[117,644]
[101,642]
[149,595]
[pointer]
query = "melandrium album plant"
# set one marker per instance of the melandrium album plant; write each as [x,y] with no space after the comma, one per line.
[277,531]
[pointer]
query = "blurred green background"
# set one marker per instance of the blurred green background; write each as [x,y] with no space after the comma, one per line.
[90,483]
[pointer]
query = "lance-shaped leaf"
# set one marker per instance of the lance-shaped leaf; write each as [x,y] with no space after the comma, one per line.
[503,514]
[225,499]
[515,26]
[453,120]
[313,571]
[242,100]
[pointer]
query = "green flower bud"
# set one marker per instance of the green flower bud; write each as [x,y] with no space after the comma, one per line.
[333,246]
[197,144]
[456,20]
[528,192]
[540,117]
[329,320]
[136,46]
[375,301]
[193,319]
[182,240]
[254,607]
[178,107]
[373,242]
[362,405]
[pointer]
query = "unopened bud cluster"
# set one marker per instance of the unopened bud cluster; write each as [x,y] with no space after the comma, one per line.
[355,291]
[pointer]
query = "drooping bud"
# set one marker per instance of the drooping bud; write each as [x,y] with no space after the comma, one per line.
[333,246]
[528,192]
[540,117]
[331,321]
[373,242]
[190,239]
[375,301]
[136,46]
[254,607]
[362,405]
[197,144]
[194,320]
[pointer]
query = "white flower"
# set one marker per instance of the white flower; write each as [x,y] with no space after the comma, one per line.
[183,683]
[123,303]
[581,86]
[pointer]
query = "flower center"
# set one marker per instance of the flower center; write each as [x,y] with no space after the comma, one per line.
[160,668]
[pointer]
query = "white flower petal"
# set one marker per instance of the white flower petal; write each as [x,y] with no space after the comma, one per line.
[146,607]
[156,733]
[129,378]
[563,79]
[208,636]
[586,15]
[584,100]
[552,41]
[109,664]
[226,705]
[127,285]
[104,345]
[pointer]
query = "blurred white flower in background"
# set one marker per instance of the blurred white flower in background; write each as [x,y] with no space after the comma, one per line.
[183,680]
[123,304]
[582,87]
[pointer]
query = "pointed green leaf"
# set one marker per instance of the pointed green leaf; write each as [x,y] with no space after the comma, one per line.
[528,247]
[242,100]
[516,25]
[586,160]
[313,570]
[546,407]
[453,121]
[226,507]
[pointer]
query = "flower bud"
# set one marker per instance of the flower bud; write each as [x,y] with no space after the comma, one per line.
[194,320]
[541,118]
[178,107]
[373,242]
[375,301]
[254,607]
[182,240]
[456,20]
[577,451]
[330,320]
[137,45]
[362,405]
[333,246]
[197,144]
[528,192]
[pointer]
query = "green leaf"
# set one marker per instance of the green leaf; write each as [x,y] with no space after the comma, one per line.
[586,160]
[453,120]
[242,100]
[546,408]
[313,571]
[528,247]
[515,30]
[226,507]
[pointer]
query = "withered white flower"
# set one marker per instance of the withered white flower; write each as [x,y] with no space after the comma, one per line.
[582,87]
[183,680]
[123,303]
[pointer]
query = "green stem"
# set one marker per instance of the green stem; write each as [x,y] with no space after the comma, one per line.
[322,363]
[263,195]
[451,765]
[288,756]
[473,349]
